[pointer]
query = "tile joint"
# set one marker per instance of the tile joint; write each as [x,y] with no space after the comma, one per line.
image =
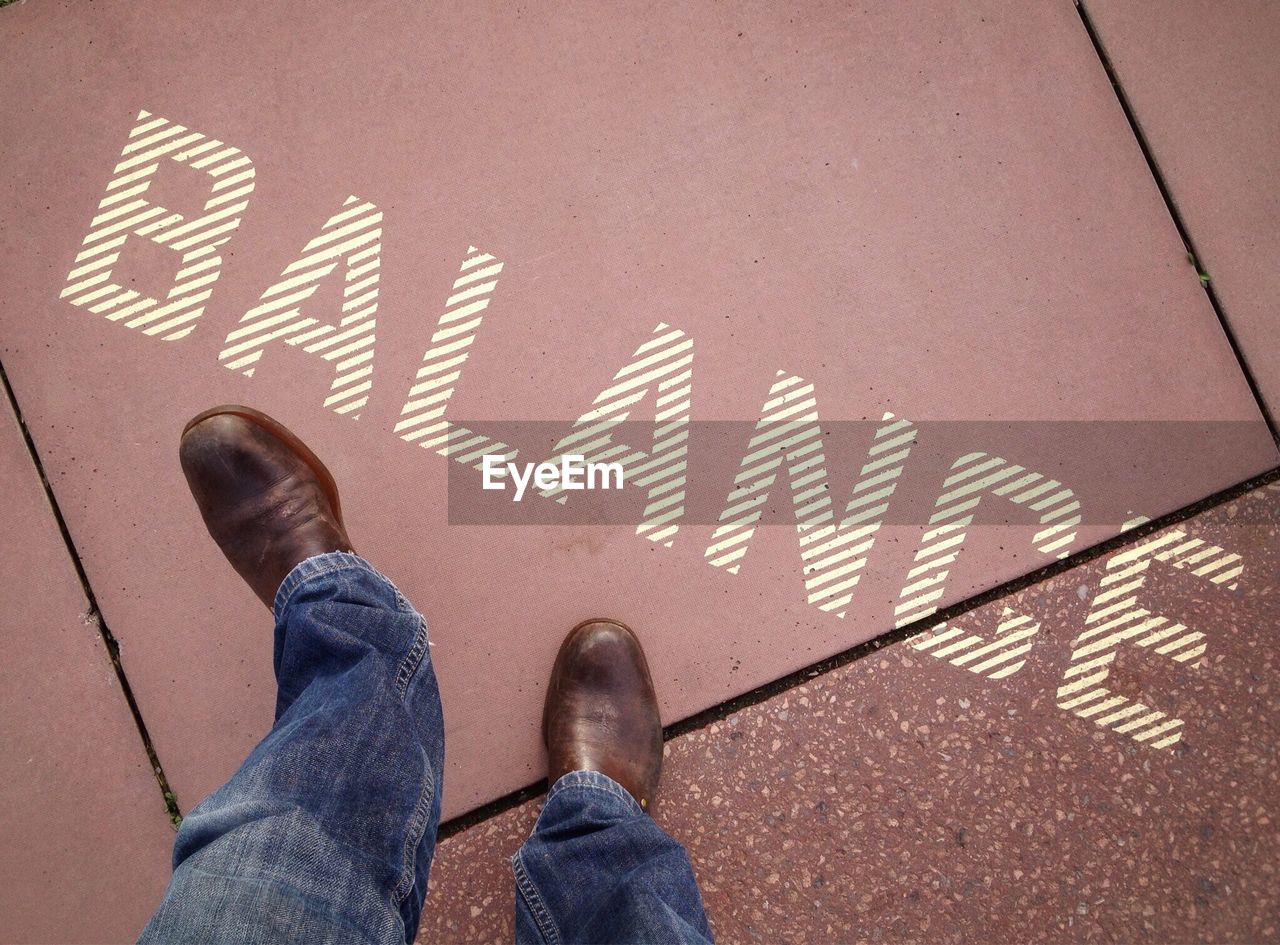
[722,710]
[95,612]
[1193,256]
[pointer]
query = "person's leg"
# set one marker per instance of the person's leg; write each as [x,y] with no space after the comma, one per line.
[326,832]
[597,868]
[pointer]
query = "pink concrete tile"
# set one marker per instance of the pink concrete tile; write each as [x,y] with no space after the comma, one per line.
[903,798]
[942,215]
[85,840]
[1203,79]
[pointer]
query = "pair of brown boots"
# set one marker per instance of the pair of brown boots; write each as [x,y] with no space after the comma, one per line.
[270,503]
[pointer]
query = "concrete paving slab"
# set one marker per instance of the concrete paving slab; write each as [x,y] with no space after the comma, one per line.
[904,798]
[941,216]
[1203,80]
[85,839]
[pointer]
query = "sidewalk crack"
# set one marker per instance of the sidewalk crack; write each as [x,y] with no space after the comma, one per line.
[94,614]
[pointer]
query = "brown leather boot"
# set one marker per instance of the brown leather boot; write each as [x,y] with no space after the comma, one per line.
[601,712]
[267,500]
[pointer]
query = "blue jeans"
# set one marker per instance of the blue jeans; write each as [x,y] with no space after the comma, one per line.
[326,832]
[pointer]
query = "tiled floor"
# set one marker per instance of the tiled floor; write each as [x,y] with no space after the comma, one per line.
[942,215]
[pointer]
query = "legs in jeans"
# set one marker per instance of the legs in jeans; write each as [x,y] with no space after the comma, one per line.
[326,832]
[598,869]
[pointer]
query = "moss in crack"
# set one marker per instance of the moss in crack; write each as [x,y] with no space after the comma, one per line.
[1204,276]
[171,805]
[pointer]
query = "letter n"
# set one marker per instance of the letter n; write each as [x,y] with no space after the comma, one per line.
[832,553]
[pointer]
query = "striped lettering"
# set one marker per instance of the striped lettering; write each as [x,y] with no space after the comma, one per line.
[124,212]
[665,361]
[995,658]
[353,237]
[971,477]
[1116,617]
[422,417]
[832,554]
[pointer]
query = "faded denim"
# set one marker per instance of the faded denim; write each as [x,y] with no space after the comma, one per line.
[326,832]
[598,869]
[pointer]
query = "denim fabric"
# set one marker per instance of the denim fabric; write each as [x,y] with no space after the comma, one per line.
[598,869]
[326,832]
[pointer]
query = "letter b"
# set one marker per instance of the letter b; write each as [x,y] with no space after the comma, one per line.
[124,211]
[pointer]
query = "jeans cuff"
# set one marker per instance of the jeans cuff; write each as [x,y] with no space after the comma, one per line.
[595,781]
[318,566]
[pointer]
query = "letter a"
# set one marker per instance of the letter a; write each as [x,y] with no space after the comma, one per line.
[355,235]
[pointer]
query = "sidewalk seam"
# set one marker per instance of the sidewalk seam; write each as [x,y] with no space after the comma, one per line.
[1166,194]
[95,612]
[722,710]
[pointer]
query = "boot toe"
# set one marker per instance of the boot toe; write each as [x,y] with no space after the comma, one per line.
[601,711]
[265,498]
